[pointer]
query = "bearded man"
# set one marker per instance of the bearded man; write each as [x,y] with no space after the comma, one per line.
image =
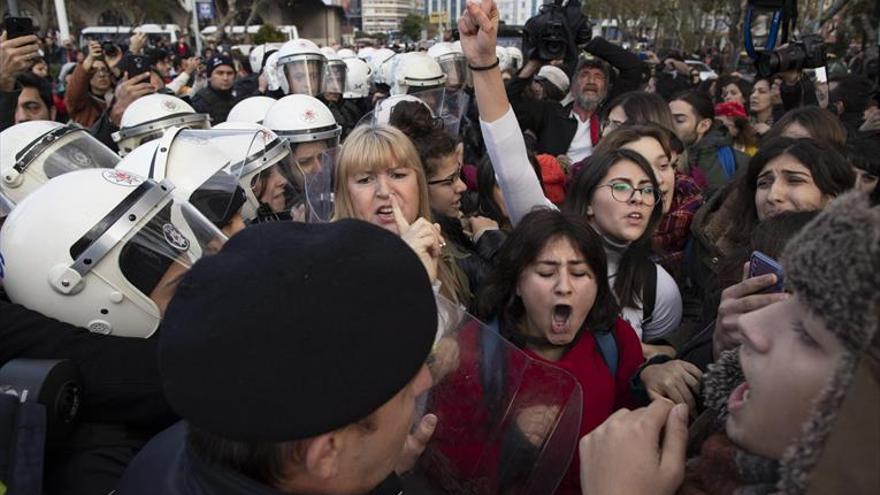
[572,127]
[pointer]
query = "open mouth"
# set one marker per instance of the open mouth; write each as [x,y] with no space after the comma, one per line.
[635,216]
[561,316]
[738,397]
[385,213]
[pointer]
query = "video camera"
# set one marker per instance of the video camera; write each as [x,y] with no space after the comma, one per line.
[806,53]
[556,32]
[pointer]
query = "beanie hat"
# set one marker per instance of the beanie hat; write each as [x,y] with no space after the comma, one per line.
[556,76]
[730,109]
[832,265]
[217,61]
[293,330]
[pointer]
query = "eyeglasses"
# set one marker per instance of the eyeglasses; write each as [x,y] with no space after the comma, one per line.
[449,181]
[624,193]
[611,125]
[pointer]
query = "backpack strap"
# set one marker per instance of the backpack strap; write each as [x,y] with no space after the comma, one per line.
[728,161]
[608,348]
[649,295]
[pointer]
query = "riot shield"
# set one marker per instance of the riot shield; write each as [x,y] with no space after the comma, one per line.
[507,423]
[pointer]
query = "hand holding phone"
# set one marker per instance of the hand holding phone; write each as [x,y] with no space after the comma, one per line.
[761,264]
[135,65]
[17,27]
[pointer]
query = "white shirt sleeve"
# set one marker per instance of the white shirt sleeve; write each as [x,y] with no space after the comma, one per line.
[667,307]
[178,83]
[516,177]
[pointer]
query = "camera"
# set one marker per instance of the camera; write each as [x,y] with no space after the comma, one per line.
[806,53]
[109,48]
[556,32]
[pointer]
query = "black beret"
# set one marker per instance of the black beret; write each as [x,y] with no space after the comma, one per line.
[217,61]
[293,330]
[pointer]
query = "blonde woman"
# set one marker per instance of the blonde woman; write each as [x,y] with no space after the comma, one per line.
[380,179]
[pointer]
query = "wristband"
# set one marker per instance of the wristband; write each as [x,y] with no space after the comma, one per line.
[485,67]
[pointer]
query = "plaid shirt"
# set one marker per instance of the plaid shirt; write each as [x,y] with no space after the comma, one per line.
[672,233]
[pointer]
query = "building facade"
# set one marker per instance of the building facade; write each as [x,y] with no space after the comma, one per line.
[517,12]
[385,16]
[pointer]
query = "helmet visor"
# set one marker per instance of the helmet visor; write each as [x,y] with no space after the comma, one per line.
[309,174]
[157,253]
[334,79]
[304,76]
[259,171]
[455,68]
[78,150]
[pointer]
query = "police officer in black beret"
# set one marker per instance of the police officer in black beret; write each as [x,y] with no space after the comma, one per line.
[304,378]
[218,97]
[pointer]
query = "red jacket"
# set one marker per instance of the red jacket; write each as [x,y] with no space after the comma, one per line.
[475,433]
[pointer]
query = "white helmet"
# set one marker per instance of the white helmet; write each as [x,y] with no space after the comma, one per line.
[366,53]
[274,74]
[417,70]
[328,51]
[33,152]
[504,62]
[335,75]
[255,57]
[99,248]
[357,80]
[516,57]
[197,164]
[303,119]
[382,113]
[267,150]
[149,116]
[383,64]
[251,109]
[258,53]
[302,65]
[452,62]
[345,53]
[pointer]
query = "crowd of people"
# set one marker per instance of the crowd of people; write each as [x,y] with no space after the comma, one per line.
[454,269]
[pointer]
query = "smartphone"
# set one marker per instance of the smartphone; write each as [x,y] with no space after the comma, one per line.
[761,264]
[16,27]
[135,65]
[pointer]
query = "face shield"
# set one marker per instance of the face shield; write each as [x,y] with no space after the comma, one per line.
[206,168]
[308,195]
[455,68]
[446,105]
[334,79]
[130,138]
[304,75]
[260,170]
[62,150]
[507,423]
[139,251]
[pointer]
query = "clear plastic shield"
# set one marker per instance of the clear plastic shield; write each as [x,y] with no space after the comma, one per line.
[334,78]
[455,68]
[507,423]
[260,170]
[306,179]
[305,76]
[447,108]
[156,254]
